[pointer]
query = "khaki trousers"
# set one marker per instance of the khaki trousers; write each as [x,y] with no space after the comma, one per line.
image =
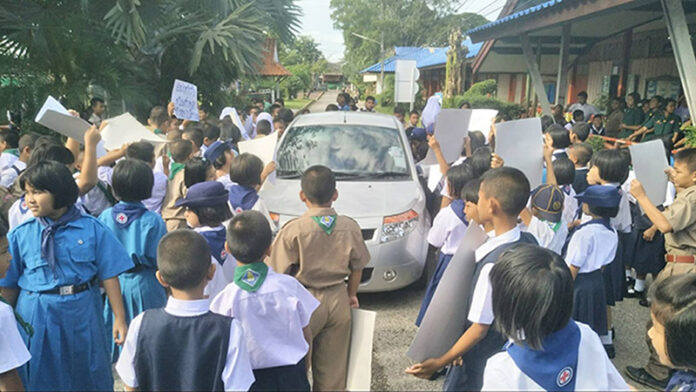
[331,325]
[174,224]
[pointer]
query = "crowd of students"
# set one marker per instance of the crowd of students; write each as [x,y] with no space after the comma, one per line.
[165,262]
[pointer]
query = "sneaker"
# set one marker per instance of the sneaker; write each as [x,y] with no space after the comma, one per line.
[632,293]
[641,376]
[644,302]
[611,351]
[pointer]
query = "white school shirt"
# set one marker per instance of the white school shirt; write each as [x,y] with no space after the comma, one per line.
[6,160]
[159,190]
[225,180]
[570,205]
[546,237]
[622,221]
[272,318]
[236,375]
[592,247]
[95,200]
[447,231]
[445,185]
[9,175]
[227,268]
[594,371]
[13,352]
[481,310]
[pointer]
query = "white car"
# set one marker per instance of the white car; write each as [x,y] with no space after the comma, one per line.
[377,186]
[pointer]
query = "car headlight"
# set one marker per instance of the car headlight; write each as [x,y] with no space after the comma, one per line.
[398,226]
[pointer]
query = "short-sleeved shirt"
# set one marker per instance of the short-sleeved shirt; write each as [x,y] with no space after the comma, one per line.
[550,235]
[84,249]
[588,109]
[272,318]
[9,175]
[682,217]
[662,125]
[7,159]
[319,260]
[159,191]
[634,116]
[447,231]
[175,191]
[591,247]
[13,352]
[613,125]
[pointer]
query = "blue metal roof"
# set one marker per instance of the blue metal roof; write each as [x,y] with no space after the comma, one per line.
[516,15]
[425,57]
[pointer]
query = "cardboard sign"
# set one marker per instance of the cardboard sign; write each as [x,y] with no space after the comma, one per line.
[453,125]
[520,144]
[55,116]
[126,129]
[481,120]
[263,147]
[649,164]
[359,375]
[443,323]
[185,98]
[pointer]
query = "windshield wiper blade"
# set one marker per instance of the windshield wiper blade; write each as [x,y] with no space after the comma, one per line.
[389,174]
[368,175]
[288,174]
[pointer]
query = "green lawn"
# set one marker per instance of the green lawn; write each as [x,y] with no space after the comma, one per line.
[297,104]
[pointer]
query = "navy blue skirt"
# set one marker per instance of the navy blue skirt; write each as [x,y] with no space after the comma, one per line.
[442,263]
[649,257]
[281,378]
[615,272]
[589,301]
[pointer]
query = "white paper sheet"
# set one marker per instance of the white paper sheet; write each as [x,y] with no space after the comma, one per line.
[359,375]
[520,144]
[263,148]
[126,129]
[451,126]
[65,124]
[443,323]
[434,177]
[649,164]
[185,98]
[51,104]
[481,120]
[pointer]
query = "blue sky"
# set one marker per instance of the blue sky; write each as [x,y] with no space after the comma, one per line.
[317,23]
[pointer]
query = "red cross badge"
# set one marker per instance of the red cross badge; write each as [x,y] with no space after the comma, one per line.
[122,218]
[564,376]
[238,210]
[223,255]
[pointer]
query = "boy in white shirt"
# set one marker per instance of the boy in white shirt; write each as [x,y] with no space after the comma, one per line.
[545,218]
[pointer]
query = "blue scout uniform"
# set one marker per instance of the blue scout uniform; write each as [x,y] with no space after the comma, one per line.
[60,298]
[140,231]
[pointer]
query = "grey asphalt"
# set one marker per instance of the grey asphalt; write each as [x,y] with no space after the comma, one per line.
[328,97]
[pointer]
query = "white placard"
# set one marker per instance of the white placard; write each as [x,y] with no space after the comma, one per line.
[451,126]
[263,147]
[444,321]
[185,98]
[481,120]
[51,104]
[55,116]
[520,144]
[406,75]
[126,129]
[434,177]
[649,164]
[359,375]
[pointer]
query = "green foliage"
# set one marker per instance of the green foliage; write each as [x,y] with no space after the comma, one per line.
[690,135]
[480,96]
[596,142]
[603,103]
[304,60]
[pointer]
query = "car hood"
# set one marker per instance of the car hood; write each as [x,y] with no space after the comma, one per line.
[357,199]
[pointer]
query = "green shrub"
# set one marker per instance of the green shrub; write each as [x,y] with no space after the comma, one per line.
[480,96]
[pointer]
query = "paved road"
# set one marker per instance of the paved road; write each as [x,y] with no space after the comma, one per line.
[328,97]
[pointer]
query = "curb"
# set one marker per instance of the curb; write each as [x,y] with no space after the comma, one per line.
[312,102]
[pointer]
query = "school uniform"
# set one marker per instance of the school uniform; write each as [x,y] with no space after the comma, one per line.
[682,381]
[159,191]
[273,310]
[13,352]
[176,189]
[633,116]
[550,235]
[662,126]
[321,248]
[447,231]
[680,243]
[224,262]
[580,183]
[597,131]
[613,124]
[140,231]
[243,198]
[469,376]
[8,158]
[97,199]
[9,175]
[559,153]
[573,359]
[570,204]
[225,180]
[185,347]
[59,295]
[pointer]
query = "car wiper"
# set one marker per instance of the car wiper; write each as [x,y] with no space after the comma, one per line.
[368,175]
[388,174]
[288,174]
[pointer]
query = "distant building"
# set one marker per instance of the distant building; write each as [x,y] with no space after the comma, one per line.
[271,67]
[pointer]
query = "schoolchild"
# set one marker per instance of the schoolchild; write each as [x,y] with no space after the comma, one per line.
[195,136]
[139,230]
[557,137]
[544,218]
[13,352]
[59,259]
[321,249]
[447,230]
[157,121]
[564,173]
[581,155]
[185,346]
[633,118]
[145,152]
[220,155]
[578,116]
[579,132]
[673,332]
[592,246]
[248,174]
[274,309]
[264,127]
[597,126]
[206,209]
[26,145]
[198,170]
[533,292]
[279,125]
[504,193]
[211,134]
[470,195]
[9,143]
[181,151]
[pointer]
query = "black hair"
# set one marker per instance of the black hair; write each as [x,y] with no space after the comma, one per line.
[546,122]
[470,191]
[183,259]
[564,170]
[582,94]
[51,152]
[582,152]
[263,127]
[509,186]
[281,100]
[481,160]
[612,165]
[10,137]
[246,170]
[636,97]
[598,115]
[93,102]
[660,100]
[667,102]
[273,107]
[249,236]
[4,230]
[532,291]
[687,157]
[318,184]
[457,177]
[195,171]
[414,112]
[370,98]
[578,113]
[603,212]
[132,180]
[581,130]
[27,140]
[286,115]
[143,151]
[674,306]
[559,136]
[210,131]
[478,139]
[399,110]
[221,160]
[195,135]
[159,115]
[464,103]
[213,215]
[54,178]
[181,150]
[229,131]
[332,107]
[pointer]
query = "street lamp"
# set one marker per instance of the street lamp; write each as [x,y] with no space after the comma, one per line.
[381,55]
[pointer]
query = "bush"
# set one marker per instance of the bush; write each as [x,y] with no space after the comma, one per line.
[480,96]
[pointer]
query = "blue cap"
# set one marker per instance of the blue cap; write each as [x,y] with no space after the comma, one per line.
[204,194]
[548,200]
[215,150]
[418,134]
[600,196]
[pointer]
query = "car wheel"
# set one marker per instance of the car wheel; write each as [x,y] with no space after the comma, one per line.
[428,268]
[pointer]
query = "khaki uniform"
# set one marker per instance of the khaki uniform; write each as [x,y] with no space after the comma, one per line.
[174,216]
[321,262]
[682,242]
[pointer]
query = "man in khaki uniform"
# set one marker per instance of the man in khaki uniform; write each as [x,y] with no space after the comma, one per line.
[181,150]
[321,249]
[678,223]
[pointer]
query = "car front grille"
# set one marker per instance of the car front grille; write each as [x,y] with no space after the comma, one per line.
[368,234]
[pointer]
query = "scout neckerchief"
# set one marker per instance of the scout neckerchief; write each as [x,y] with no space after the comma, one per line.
[216,241]
[326,222]
[158,131]
[250,277]
[50,227]
[13,151]
[175,168]
[25,325]
[242,198]
[554,367]
[457,206]
[554,226]
[125,213]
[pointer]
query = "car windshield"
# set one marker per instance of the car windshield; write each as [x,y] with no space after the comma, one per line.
[352,151]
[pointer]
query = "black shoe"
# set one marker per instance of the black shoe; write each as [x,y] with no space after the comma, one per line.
[611,351]
[632,293]
[613,334]
[641,376]
[644,302]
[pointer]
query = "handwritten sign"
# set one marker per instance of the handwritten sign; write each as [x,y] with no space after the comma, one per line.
[185,98]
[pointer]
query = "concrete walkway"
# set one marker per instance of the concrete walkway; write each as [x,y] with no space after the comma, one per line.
[328,97]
